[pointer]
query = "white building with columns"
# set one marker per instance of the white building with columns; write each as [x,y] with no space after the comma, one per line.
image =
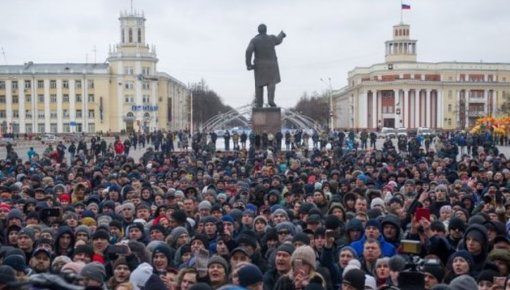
[402,92]
[126,93]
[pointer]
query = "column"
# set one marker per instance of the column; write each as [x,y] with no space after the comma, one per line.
[374,109]
[417,108]
[60,121]
[485,102]
[396,98]
[154,103]
[440,108]
[8,104]
[362,110]
[428,108]
[379,109]
[405,110]
[72,105]
[47,127]
[84,99]
[21,107]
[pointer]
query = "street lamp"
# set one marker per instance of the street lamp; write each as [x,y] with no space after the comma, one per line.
[330,93]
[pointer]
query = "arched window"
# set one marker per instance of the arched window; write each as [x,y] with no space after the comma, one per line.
[122,35]
[130,35]
[139,35]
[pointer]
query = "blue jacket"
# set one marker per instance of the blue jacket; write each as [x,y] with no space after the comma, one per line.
[387,249]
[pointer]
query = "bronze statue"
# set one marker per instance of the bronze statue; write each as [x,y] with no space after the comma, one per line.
[265,64]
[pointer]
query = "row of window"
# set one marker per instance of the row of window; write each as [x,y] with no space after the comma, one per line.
[53,84]
[129,70]
[41,114]
[41,128]
[53,99]
[146,99]
[131,85]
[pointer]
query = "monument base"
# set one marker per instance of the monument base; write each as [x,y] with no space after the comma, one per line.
[268,120]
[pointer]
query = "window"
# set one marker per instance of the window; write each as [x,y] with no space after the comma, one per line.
[129,99]
[53,84]
[40,98]
[449,107]
[28,114]
[128,70]
[146,70]
[91,98]
[139,35]
[53,127]
[146,98]
[28,128]
[67,128]
[15,114]
[2,99]
[90,84]
[78,84]
[28,84]
[53,98]
[130,35]
[28,98]
[40,114]
[65,99]
[53,114]
[79,114]
[40,84]
[146,85]
[65,84]
[41,128]
[14,85]
[2,113]
[449,94]
[91,113]
[2,85]
[78,98]
[65,113]
[128,85]
[15,99]
[92,128]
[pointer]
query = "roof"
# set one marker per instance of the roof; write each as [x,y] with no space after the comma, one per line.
[55,68]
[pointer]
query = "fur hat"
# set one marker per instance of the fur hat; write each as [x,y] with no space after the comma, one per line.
[306,254]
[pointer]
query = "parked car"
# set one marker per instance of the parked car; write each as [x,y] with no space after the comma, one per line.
[402,132]
[49,139]
[387,132]
[423,131]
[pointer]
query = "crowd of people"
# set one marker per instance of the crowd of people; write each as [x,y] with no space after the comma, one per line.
[268,213]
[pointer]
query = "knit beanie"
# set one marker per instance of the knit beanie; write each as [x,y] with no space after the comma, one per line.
[306,254]
[355,278]
[463,254]
[7,274]
[204,205]
[101,235]
[288,226]
[456,223]
[353,264]
[165,250]
[434,269]
[249,275]
[94,271]
[286,247]
[218,260]
[177,232]
[74,267]
[301,237]
[350,249]
[486,275]
[463,282]
[82,229]
[17,262]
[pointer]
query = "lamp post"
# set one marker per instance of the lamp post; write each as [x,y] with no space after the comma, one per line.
[330,95]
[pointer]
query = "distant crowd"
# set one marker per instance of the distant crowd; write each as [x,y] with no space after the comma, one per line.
[292,210]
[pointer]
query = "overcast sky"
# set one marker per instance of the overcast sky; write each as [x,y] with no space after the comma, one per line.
[207,39]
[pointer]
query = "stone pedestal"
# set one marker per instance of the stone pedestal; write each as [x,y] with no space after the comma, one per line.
[267,120]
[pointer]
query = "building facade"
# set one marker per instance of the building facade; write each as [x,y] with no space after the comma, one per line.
[126,93]
[405,93]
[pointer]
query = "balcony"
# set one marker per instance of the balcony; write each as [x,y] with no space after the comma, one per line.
[476,113]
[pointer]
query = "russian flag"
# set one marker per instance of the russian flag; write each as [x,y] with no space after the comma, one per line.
[406,7]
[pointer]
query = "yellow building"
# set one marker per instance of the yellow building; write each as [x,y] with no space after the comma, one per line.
[126,93]
[402,92]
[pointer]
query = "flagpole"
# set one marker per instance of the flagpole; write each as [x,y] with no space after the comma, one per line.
[401,12]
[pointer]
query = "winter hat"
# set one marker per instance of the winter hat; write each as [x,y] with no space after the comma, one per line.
[15,214]
[441,287]
[373,223]
[350,249]
[288,226]
[140,275]
[62,259]
[178,231]
[17,262]
[94,271]
[281,211]
[100,234]
[476,232]
[355,278]
[463,282]
[486,275]
[397,263]
[286,247]
[249,275]
[301,237]
[7,274]
[353,264]
[465,255]
[163,249]
[456,223]
[306,254]
[74,267]
[204,205]
[82,229]
[218,260]
[435,269]
[27,232]
[377,202]
[370,283]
